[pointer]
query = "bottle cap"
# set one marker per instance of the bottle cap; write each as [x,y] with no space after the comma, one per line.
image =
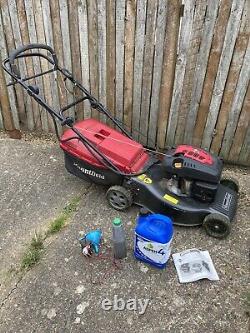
[117,221]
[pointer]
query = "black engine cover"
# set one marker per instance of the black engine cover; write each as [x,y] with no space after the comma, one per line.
[194,164]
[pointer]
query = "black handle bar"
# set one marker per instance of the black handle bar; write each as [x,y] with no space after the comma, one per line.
[15,53]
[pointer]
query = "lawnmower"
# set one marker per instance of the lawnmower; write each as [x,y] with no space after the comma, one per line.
[183,183]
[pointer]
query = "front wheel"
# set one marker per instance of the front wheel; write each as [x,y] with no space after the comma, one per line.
[119,197]
[217,225]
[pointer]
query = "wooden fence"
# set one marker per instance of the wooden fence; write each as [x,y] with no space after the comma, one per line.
[172,72]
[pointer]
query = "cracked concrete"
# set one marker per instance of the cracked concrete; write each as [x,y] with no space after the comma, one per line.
[63,293]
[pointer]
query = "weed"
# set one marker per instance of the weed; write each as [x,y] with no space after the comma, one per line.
[35,249]
[33,253]
[61,220]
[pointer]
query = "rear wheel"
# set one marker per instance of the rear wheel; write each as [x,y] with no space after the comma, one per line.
[231,183]
[119,197]
[217,225]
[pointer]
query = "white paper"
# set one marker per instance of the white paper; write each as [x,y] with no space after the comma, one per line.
[193,265]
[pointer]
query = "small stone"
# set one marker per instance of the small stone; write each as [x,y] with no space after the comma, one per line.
[77,320]
[130,321]
[114,285]
[80,289]
[57,291]
[76,273]
[81,307]
[43,312]
[143,268]
[51,313]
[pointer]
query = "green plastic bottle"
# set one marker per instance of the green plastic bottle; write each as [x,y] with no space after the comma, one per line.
[119,240]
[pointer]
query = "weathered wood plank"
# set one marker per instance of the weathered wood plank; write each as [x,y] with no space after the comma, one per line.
[195,50]
[84,50]
[168,68]
[240,92]
[242,126]
[37,65]
[157,71]
[184,39]
[201,67]
[231,84]
[1,117]
[212,67]
[93,51]
[102,62]
[33,115]
[27,117]
[7,45]
[58,47]
[49,41]
[147,69]
[120,19]
[138,64]
[75,54]
[129,62]
[244,157]
[6,120]
[47,93]
[225,60]
[110,55]
[64,18]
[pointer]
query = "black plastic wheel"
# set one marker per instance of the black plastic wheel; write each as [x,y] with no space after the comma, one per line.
[217,225]
[231,183]
[119,197]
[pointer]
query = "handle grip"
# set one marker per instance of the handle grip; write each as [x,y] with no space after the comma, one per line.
[21,49]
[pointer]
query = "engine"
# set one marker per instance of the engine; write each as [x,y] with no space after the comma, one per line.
[192,172]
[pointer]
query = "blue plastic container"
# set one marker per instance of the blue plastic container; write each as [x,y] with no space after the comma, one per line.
[153,236]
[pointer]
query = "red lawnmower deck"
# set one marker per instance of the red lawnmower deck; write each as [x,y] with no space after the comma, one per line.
[184,183]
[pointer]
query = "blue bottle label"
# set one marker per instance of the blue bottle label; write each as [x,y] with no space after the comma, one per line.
[154,252]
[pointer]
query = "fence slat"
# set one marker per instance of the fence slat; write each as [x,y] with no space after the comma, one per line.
[93,51]
[212,67]
[75,50]
[11,94]
[64,19]
[110,55]
[242,126]
[84,50]
[157,71]
[119,61]
[101,22]
[147,69]
[196,50]
[37,65]
[168,69]
[237,103]
[33,114]
[129,62]
[10,46]
[6,120]
[185,34]
[58,47]
[231,84]
[1,117]
[225,60]
[27,117]
[138,64]
[244,157]
[200,70]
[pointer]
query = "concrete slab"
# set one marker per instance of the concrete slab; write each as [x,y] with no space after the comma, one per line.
[34,187]
[64,292]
